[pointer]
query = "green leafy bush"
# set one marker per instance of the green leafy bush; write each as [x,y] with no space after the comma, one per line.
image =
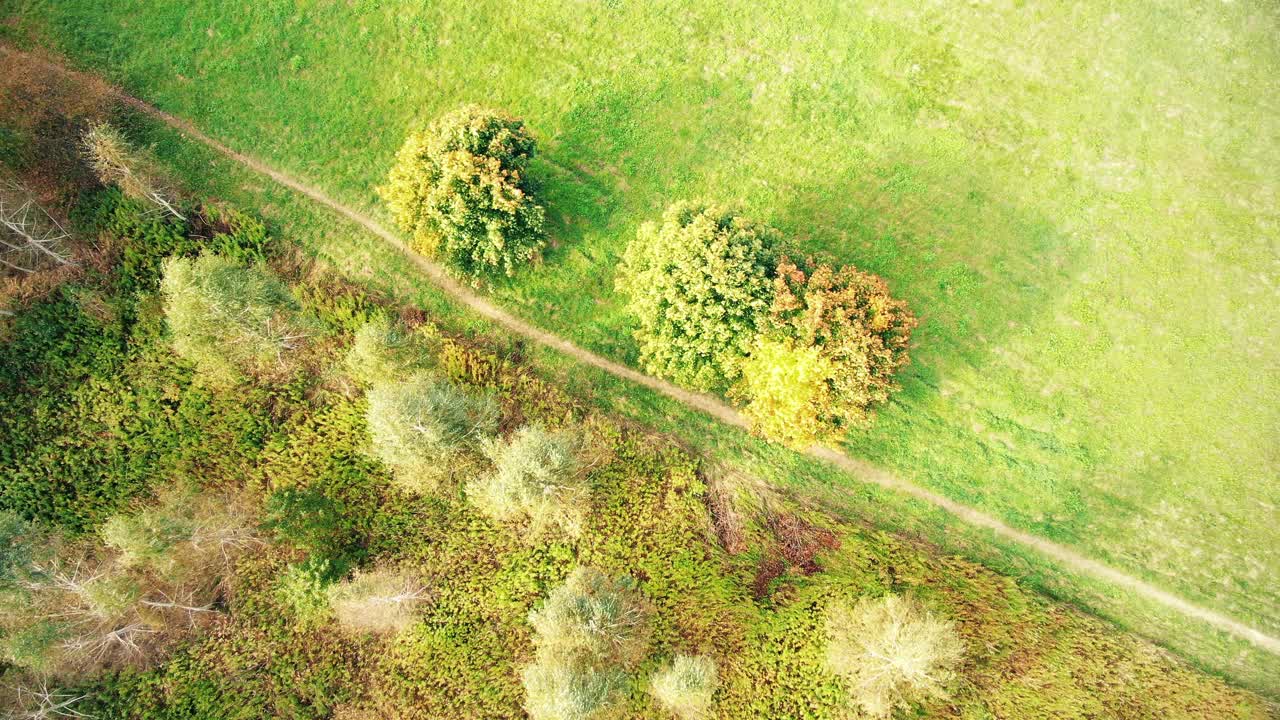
[227,317]
[836,340]
[891,652]
[224,230]
[311,521]
[421,428]
[685,687]
[459,186]
[537,476]
[94,407]
[699,286]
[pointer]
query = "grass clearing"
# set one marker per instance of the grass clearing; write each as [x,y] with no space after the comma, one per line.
[1084,218]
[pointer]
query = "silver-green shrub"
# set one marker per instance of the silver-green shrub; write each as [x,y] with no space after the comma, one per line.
[537,476]
[226,317]
[561,691]
[421,428]
[891,652]
[686,686]
[383,352]
[592,617]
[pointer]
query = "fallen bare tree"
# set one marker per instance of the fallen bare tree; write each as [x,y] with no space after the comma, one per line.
[30,237]
[117,163]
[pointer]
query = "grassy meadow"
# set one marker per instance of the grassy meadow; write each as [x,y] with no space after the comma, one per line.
[1080,202]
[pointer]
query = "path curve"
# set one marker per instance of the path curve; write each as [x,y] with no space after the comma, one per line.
[712,406]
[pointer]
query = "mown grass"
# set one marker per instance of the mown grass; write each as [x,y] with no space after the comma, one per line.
[1076,199]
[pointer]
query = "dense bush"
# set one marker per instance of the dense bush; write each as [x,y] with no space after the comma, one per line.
[460,187]
[698,285]
[891,652]
[537,476]
[421,428]
[839,325]
[787,391]
[227,317]
[685,687]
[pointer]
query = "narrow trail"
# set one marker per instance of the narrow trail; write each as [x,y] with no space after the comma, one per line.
[1066,557]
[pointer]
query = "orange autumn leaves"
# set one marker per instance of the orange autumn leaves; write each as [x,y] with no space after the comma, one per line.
[827,356]
[807,350]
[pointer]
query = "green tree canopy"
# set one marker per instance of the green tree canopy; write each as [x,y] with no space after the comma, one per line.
[699,285]
[460,187]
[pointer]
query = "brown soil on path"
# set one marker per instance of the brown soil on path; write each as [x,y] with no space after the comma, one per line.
[1064,556]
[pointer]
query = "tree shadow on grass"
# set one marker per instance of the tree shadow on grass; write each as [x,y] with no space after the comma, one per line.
[975,270]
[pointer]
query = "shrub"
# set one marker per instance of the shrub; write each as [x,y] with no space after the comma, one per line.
[301,590]
[537,475]
[686,686]
[842,325]
[891,652]
[699,286]
[559,691]
[594,619]
[459,186]
[147,538]
[226,317]
[117,163]
[383,352]
[421,427]
[378,601]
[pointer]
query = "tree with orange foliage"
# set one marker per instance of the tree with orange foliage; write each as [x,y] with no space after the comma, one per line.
[849,328]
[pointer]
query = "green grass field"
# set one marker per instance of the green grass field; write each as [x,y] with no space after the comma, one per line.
[1081,203]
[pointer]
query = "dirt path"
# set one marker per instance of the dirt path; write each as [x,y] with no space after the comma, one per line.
[1066,557]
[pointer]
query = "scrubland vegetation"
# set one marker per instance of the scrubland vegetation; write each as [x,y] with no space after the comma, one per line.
[260,491]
